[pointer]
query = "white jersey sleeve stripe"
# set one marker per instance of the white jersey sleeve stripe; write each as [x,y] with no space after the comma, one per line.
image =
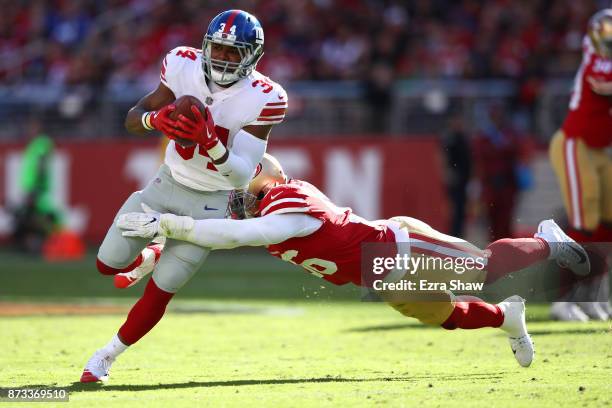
[281,201]
[578,80]
[285,210]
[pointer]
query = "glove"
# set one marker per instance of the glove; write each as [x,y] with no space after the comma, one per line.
[137,224]
[161,121]
[201,130]
[150,224]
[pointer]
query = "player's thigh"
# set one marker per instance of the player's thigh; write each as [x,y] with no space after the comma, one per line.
[429,308]
[118,251]
[419,228]
[442,257]
[180,260]
[606,187]
[578,177]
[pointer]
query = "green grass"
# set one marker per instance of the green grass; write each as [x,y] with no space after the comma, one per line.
[341,354]
[264,344]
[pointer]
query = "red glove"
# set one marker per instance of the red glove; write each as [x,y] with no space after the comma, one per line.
[201,130]
[161,121]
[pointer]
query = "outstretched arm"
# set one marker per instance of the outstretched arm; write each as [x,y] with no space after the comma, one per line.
[219,233]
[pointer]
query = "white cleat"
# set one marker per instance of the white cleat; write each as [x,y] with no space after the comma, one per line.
[515,326]
[606,307]
[151,255]
[97,368]
[593,310]
[567,252]
[567,312]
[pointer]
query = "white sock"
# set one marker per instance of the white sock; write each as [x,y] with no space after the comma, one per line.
[114,347]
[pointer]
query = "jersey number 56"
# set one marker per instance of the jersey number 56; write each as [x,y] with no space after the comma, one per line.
[316,266]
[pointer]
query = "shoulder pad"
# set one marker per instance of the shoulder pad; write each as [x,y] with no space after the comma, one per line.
[284,199]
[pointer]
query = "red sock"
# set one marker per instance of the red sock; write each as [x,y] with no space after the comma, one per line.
[474,315]
[145,313]
[108,270]
[511,255]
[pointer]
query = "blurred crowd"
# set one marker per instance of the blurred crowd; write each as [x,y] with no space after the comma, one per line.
[114,42]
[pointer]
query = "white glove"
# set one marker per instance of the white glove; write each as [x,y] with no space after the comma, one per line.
[140,224]
[150,224]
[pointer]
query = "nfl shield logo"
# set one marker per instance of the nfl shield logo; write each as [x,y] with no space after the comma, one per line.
[209,100]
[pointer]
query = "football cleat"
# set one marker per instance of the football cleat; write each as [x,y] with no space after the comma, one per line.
[151,255]
[515,326]
[606,307]
[567,252]
[593,310]
[97,368]
[567,312]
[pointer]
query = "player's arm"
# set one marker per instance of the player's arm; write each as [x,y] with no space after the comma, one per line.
[152,112]
[219,233]
[603,88]
[239,163]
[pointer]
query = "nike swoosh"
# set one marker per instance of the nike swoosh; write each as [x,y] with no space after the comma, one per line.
[272,197]
[281,97]
[153,219]
[579,253]
[207,208]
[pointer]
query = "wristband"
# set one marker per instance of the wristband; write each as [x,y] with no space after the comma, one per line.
[146,120]
[217,151]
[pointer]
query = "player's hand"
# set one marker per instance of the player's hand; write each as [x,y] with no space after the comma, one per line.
[201,130]
[161,121]
[140,224]
[149,224]
[600,87]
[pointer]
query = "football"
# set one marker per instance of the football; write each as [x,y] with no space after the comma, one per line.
[183,107]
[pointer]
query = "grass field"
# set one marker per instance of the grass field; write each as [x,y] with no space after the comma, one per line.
[245,335]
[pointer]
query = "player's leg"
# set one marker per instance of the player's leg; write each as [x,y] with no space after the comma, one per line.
[578,178]
[605,228]
[179,262]
[580,172]
[468,312]
[501,257]
[119,254]
[143,316]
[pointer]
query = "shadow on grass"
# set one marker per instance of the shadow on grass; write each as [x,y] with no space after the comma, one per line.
[80,387]
[389,327]
[570,331]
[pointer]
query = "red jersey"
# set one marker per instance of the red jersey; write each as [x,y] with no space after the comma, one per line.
[589,116]
[332,252]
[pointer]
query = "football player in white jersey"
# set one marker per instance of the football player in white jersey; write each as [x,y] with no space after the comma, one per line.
[230,139]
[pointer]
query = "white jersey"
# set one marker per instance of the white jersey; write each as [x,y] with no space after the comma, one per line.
[253,100]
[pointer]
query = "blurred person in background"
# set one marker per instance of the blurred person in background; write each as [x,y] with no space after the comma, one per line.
[459,169]
[500,169]
[38,216]
[580,155]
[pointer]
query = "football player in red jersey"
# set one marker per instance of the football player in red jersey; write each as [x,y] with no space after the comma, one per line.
[299,224]
[580,159]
